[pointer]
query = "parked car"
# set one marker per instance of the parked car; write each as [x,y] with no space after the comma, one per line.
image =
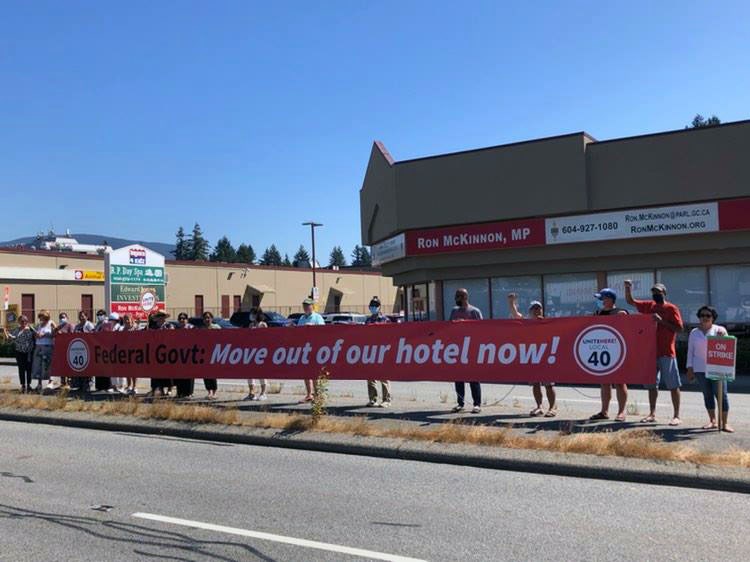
[273,319]
[294,317]
[345,318]
[197,321]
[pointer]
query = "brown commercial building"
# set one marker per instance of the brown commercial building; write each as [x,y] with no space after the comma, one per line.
[69,282]
[557,219]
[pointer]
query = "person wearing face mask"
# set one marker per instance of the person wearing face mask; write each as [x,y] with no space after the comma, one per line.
[536,311]
[257,320]
[23,345]
[377,317]
[84,326]
[696,366]
[103,324]
[64,326]
[465,311]
[185,387]
[605,306]
[668,323]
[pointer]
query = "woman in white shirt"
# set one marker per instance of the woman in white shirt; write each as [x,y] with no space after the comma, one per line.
[44,333]
[696,365]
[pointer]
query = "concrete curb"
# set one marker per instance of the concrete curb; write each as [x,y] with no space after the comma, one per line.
[540,462]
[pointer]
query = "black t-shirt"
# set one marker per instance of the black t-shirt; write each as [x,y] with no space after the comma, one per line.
[615,310]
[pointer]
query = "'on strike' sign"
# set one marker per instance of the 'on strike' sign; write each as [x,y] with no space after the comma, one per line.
[721,357]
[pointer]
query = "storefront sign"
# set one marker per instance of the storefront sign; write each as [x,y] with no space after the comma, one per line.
[389,250]
[489,236]
[615,349]
[634,223]
[81,275]
[721,357]
[135,281]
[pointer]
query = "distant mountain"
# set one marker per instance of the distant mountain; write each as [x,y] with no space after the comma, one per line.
[161,247]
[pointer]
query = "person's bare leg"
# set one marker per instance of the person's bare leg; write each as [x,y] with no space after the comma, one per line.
[309,388]
[551,396]
[536,390]
[711,419]
[622,399]
[676,402]
[728,428]
[606,394]
[653,394]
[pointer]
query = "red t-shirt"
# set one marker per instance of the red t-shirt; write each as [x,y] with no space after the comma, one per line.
[665,337]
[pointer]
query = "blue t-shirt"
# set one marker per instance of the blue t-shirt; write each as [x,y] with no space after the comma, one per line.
[314,319]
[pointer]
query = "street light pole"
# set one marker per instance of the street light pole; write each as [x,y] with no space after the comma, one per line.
[312,226]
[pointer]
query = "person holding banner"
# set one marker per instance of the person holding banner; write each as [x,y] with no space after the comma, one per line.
[465,311]
[537,312]
[184,387]
[23,345]
[668,323]
[309,318]
[157,320]
[696,366]
[606,307]
[377,317]
[129,325]
[43,333]
[212,385]
[257,320]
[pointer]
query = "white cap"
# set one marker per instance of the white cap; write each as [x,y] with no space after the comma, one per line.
[114,316]
[532,304]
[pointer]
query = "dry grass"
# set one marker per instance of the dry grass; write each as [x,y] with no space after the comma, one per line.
[641,444]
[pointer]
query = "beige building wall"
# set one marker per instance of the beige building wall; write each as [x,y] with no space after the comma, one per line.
[279,289]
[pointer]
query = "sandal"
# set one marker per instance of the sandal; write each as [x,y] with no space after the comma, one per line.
[536,412]
[599,416]
[675,421]
[710,425]
[550,413]
[620,417]
[649,419]
[728,429]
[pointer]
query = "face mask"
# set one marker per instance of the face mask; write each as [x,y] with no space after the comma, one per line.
[63,321]
[100,317]
[374,310]
[599,304]
[658,298]
[459,302]
[253,318]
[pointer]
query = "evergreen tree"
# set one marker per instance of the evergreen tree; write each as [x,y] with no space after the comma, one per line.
[361,257]
[699,122]
[366,257]
[182,246]
[337,257]
[286,262]
[271,256]
[224,251]
[245,254]
[301,258]
[199,246]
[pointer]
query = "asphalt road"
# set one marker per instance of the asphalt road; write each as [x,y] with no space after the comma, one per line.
[72,494]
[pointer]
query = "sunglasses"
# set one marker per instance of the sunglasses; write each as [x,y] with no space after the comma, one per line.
[705,316]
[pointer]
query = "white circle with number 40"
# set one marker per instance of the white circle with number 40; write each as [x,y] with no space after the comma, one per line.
[600,350]
[78,355]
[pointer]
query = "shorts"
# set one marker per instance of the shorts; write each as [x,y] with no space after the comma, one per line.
[666,370]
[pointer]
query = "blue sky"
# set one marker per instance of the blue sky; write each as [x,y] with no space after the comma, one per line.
[133,118]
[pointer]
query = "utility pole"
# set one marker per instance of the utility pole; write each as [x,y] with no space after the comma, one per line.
[312,226]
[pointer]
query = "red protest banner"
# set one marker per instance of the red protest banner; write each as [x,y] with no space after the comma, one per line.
[721,356]
[613,349]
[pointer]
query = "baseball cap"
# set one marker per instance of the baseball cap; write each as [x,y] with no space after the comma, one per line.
[308,302]
[660,287]
[114,316]
[606,294]
[532,304]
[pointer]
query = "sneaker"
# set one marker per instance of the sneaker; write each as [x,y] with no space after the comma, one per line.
[476,410]
[256,397]
[386,404]
[457,409]
[248,397]
[262,397]
[372,403]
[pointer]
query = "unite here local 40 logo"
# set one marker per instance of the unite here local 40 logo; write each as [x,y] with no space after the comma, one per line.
[137,256]
[78,355]
[600,350]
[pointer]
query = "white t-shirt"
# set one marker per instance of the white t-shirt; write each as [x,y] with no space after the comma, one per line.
[698,347]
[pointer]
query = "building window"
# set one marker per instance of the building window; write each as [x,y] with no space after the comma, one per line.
[87,305]
[687,287]
[225,306]
[527,287]
[199,305]
[417,301]
[642,283]
[730,292]
[237,303]
[570,294]
[432,301]
[479,295]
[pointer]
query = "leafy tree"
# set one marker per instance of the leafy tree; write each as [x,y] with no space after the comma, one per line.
[361,257]
[271,256]
[699,122]
[301,258]
[199,246]
[245,254]
[182,246]
[286,262]
[224,251]
[337,257]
